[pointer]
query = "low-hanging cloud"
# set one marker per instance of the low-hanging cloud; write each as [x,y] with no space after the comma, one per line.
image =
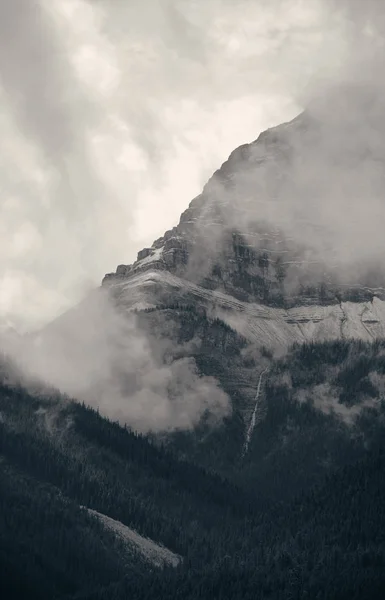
[101,356]
[325,398]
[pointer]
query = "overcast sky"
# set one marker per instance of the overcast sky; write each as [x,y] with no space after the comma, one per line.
[113,114]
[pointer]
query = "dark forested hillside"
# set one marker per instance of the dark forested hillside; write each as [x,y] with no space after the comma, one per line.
[58,455]
[323,407]
[328,544]
[321,404]
[48,544]
[300,515]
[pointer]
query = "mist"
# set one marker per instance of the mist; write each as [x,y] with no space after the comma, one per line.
[319,178]
[324,398]
[99,355]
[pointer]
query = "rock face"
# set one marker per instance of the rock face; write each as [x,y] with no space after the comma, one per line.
[256,233]
[213,248]
[269,326]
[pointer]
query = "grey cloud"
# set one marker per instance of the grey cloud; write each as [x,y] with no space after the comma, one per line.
[121,110]
[320,179]
[33,73]
[324,398]
[99,355]
[48,104]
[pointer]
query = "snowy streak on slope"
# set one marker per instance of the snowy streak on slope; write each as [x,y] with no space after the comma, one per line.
[154,553]
[253,421]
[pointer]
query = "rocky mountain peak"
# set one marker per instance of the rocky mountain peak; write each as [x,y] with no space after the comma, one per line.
[255,231]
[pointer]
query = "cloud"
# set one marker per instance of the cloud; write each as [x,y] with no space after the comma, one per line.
[100,356]
[324,398]
[114,114]
[320,179]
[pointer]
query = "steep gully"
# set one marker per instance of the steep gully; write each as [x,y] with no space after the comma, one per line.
[253,421]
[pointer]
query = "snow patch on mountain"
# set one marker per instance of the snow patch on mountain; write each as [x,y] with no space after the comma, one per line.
[155,255]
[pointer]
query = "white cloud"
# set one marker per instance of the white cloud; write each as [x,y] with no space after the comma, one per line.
[99,356]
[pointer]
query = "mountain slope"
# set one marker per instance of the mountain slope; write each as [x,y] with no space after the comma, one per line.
[58,456]
[329,543]
[270,326]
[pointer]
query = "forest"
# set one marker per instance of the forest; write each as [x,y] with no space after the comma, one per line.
[301,516]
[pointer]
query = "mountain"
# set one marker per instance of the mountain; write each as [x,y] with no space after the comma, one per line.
[91,510]
[259,230]
[183,344]
[219,431]
[258,264]
[256,248]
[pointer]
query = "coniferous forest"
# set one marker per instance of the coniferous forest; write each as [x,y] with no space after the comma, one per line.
[301,516]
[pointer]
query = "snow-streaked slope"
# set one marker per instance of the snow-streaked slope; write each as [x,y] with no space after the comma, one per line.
[154,553]
[266,325]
